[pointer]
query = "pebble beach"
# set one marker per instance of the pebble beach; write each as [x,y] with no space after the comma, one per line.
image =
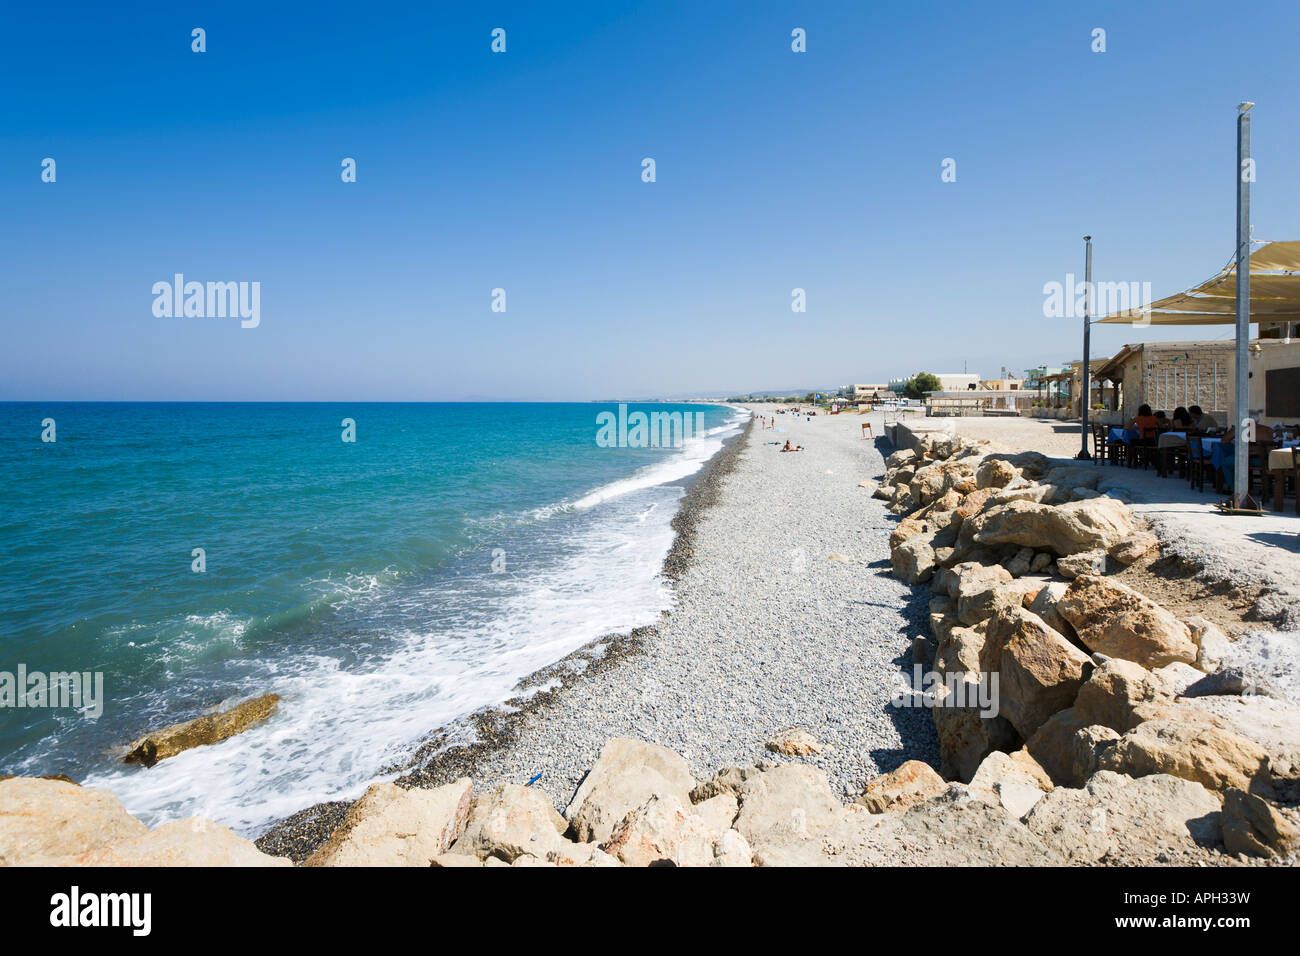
[785,615]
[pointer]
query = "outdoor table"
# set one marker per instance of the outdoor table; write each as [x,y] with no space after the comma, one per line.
[1126,435]
[1207,447]
[1281,459]
[1164,443]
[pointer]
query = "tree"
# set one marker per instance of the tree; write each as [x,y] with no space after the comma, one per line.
[921,383]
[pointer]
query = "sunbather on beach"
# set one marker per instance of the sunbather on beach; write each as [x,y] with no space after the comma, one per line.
[789,447]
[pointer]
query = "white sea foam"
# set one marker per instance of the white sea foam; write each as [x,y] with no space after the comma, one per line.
[340,728]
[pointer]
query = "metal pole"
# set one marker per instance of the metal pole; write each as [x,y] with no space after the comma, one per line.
[1087,330]
[1241,410]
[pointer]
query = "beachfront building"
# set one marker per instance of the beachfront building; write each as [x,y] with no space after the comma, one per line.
[1166,375]
[950,381]
[866,393]
[1033,377]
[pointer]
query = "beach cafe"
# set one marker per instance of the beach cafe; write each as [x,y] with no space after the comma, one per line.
[1267,427]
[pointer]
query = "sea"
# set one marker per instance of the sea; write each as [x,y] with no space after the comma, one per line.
[387,569]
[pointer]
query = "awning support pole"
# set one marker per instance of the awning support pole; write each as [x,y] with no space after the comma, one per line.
[1241,450]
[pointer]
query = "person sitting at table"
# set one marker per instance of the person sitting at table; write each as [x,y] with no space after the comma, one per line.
[1144,422]
[1182,418]
[1200,420]
[1230,435]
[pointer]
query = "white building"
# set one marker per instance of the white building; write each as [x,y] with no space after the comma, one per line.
[949,381]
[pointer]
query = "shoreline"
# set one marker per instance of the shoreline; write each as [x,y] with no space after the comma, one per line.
[458,749]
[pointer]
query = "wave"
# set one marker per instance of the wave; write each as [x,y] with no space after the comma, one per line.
[419,653]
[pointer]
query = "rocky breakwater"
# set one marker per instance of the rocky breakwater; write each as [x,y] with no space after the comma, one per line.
[1091,714]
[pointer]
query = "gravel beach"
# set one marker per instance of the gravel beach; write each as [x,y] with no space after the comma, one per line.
[785,615]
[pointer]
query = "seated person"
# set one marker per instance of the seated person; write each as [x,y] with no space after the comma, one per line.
[1182,418]
[1200,419]
[1144,422]
[789,447]
[1230,435]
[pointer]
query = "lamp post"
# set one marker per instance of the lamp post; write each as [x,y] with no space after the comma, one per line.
[1087,333]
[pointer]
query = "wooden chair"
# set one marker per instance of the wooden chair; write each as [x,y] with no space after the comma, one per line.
[1099,433]
[1198,465]
[1143,452]
[1278,479]
[866,430]
[1257,465]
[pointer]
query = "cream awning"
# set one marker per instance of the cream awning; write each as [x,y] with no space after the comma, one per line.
[1274,294]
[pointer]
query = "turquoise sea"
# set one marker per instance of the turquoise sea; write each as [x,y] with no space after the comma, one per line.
[383,587]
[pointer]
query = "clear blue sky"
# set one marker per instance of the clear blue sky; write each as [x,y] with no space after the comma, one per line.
[523,171]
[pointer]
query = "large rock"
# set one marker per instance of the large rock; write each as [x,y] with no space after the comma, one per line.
[1017,767]
[1272,724]
[663,831]
[1041,671]
[41,820]
[927,522]
[1069,748]
[996,473]
[979,599]
[965,650]
[1014,782]
[732,849]
[1253,826]
[973,502]
[952,829]
[788,803]
[913,561]
[192,842]
[1115,814]
[1063,529]
[510,822]
[1135,547]
[1085,562]
[1113,619]
[974,575]
[935,481]
[393,826]
[969,732]
[626,775]
[580,855]
[201,731]
[1212,645]
[729,781]
[1073,476]
[899,789]
[900,458]
[1115,694]
[1186,742]
[1043,603]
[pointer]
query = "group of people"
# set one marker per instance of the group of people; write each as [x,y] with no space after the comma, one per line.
[1148,424]
[768,422]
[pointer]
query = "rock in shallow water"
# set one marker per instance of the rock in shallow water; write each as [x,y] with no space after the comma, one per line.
[201,731]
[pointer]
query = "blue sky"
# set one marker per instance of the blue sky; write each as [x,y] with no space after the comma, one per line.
[522,171]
